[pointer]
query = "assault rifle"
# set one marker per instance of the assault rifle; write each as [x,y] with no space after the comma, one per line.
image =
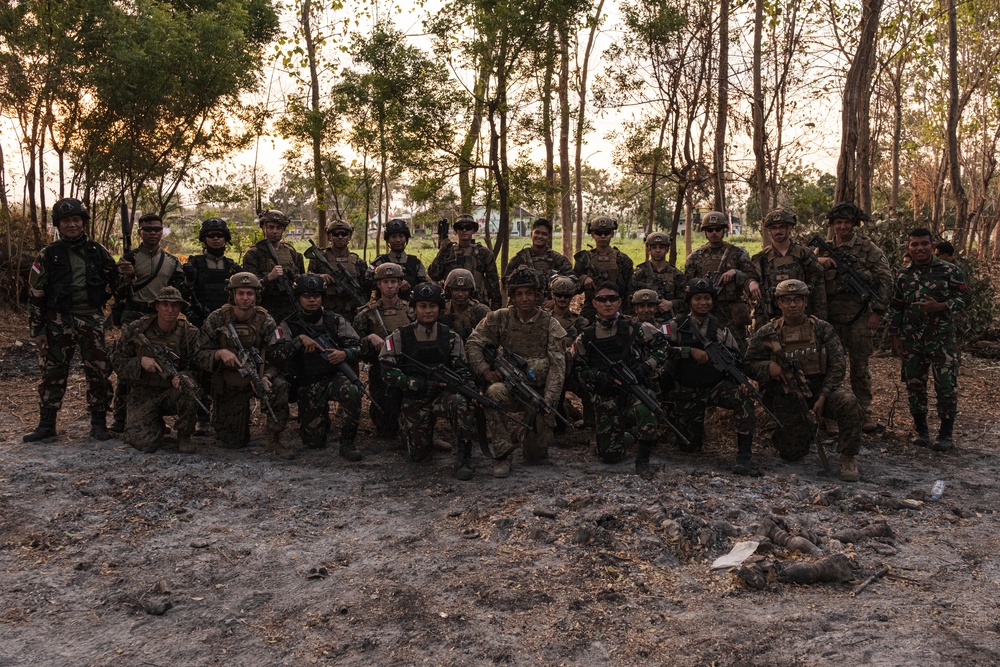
[852,283]
[168,360]
[795,382]
[346,283]
[326,343]
[722,360]
[250,360]
[626,379]
[286,278]
[518,378]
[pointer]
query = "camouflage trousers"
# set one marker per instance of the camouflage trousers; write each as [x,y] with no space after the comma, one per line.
[314,409]
[690,405]
[857,342]
[385,416]
[417,417]
[942,364]
[794,438]
[231,416]
[146,408]
[620,421]
[506,436]
[65,333]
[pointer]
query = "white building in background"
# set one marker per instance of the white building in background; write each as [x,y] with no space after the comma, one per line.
[520,220]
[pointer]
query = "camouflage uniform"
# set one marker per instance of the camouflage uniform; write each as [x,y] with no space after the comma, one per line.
[614,267]
[463,322]
[413,270]
[668,283]
[386,416]
[548,263]
[477,259]
[230,390]
[335,299]
[799,263]
[273,298]
[731,307]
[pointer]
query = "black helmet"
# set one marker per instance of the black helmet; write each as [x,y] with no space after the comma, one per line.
[701,286]
[67,208]
[848,211]
[396,226]
[309,283]
[214,225]
[522,276]
[427,292]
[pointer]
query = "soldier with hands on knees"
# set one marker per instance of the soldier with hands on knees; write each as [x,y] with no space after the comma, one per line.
[659,275]
[276,263]
[69,284]
[347,288]
[397,236]
[603,263]
[469,255]
[785,259]
[462,312]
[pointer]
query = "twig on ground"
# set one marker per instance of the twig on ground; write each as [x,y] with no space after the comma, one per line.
[879,573]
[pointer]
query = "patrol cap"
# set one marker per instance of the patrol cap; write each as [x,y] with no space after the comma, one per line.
[388,270]
[67,208]
[791,287]
[309,283]
[563,286]
[427,292]
[847,210]
[780,216]
[645,296]
[460,278]
[602,222]
[170,294]
[714,219]
[273,215]
[243,279]
[701,286]
[658,238]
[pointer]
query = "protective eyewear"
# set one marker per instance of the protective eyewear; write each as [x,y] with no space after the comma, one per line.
[607,298]
[714,230]
[465,228]
[151,230]
[215,235]
[340,234]
[601,232]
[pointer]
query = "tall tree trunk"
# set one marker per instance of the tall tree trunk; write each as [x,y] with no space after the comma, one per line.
[566,191]
[719,157]
[315,124]
[465,166]
[547,130]
[897,135]
[581,126]
[655,176]
[759,131]
[954,110]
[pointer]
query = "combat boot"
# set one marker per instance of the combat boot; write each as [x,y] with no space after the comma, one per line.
[849,469]
[347,450]
[642,467]
[695,444]
[923,438]
[744,457]
[203,428]
[184,444]
[279,449]
[502,467]
[944,442]
[46,426]
[98,426]
[463,460]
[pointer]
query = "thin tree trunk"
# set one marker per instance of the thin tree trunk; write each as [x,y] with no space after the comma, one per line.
[315,124]
[566,191]
[547,130]
[581,126]
[759,131]
[954,110]
[719,157]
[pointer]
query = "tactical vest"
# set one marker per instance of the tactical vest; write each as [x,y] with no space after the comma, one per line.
[615,348]
[688,372]
[249,333]
[662,283]
[606,265]
[777,268]
[210,284]
[470,261]
[395,317]
[59,270]
[800,344]
[428,352]
[462,323]
[530,340]
[313,366]
[171,340]
[713,264]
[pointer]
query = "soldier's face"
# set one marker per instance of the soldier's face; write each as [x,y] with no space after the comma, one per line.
[310,302]
[602,237]
[524,299]
[151,234]
[562,300]
[792,305]
[273,231]
[389,287]
[540,237]
[215,240]
[426,312]
[397,241]
[71,227]
[715,236]
[245,297]
[658,251]
[843,228]
[920,248]
[460,295]
[167,313]
[339,238]
[701,304]
[464,234]
[645,311]
[779,233]
[606,303]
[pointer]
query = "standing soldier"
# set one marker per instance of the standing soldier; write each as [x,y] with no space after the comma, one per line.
[729,268]
[312,346]
[621,417]
[233,369]
[276,263]
[462,312]
[855,323]
[374,322]
[699,385]
[661,276]
[786,260]
[206,275]
[397,235]
[426,343]
[525,330]
[158,355]
[602,263]
[927,295]
[799,362]
[145,271]
[467,254]
[341,294]
[70,282]
[540,257]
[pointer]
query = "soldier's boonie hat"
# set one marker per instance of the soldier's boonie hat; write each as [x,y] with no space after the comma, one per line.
[791,287]
[466,220]
[243,279]
[522,276]
[645,296]
[309,283]
[67,208]
[658,238]
[460,278]
[714,219]
[563,286]
[339,223]
[214,225]
[388,270]
[780,216]
[848,211]
[427,292]
[602,222]
[170,294]
[275,216]
[701,286]
[396,226]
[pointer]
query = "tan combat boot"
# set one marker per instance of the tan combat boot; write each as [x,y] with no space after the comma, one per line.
[849,469]
[275,445]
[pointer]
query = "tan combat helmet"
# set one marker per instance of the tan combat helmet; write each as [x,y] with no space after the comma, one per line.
[243,279]
[645,296]
[563,286]
[658,238]
[791,287]
[273,215]
[388,270]
[602,222]
[460,278]
[780,216]
[714,219]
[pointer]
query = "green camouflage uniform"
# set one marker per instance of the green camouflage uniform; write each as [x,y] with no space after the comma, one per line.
[231,392]
[69,283]
[615,267]
[463,322]
[668,283]
[799,263]
[621,419]
[816,346]
[731,306]
[547,264]
[573,324]
[423,401]
[385,417]
[273,298]
[476,259]
[335,299]
[928,339]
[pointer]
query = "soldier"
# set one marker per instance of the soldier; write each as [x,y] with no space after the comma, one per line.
[927,295]
[853,322]
[156,389]
[232,389]
[729,268]
[540,257]
[310,345]
[467,254]
[945,251]
[397,235]
[785,259]
[144,272]
[800,347]
[698,385]
[661,276]
[206,275]
[430,344]
[562,289]
[621,418]
[462,312]
[70,282]
[339,254]
[374,322]
[645,306]
[602,263]
[276,263]
[523,329]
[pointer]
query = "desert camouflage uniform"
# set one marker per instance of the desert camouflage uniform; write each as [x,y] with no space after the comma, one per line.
[799,263]
[317,380]
[816,346]
[477,259]
[386,416]
[928,339]
[273,298]
[668,283]
[334,299]
[547,264]
[230,390]
[413,270]
[615,267]
[731,307]
[842,309]
[423,402]
[540,341]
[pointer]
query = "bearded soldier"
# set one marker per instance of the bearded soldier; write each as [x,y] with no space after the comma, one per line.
[661,276]
[461,311]
[70,282]
[408,354]
[469,255]
[338,296]
[397,236]
[540,256]
[276,263]
[602,263]
[232,389]
[785,259]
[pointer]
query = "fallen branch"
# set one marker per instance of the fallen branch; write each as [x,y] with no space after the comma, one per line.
[879,573]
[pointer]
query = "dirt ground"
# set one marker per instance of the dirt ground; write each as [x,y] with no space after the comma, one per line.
[113,557]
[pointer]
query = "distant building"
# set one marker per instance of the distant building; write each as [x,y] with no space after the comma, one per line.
[520,220]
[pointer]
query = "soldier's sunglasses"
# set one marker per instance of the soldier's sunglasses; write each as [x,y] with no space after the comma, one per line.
[465,228]
[607,298]
[152,230]
[215,235]
[340,234]
[601,232]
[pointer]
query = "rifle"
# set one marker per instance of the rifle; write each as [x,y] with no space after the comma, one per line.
[518,378]
[285,280]
[126,226]
[852,283]
[796,384]
[346,283]
[626,379]
[343,368]
[723,361]
[167,360]
[442,232]
[250,360]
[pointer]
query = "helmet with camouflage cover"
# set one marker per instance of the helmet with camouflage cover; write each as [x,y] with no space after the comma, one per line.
[563,286]
[603,223]
[780,216]
[275,216]
[658,238]
[427,292]
[388,270]
[460,278]
[791,287]
[645,296]
[701,286]
[847,211]
[714,219]
[243,279]
[466,219]
[396,226]
[309,283]
[339,223]
[522,276]
[67,208]
[214,225]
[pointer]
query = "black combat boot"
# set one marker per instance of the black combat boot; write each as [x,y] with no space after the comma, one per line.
[46,426]
[944,442]
[463,460]
[744,461]
[695,444]
[347,435]
[642,468]
[99,426]
[923,438]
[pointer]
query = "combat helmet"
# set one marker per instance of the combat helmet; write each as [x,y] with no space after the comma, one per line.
[522,276]
[396,226]
[563,286]
[427,292]
[791,287]
[848,211]
[714,219]
[602,222]
[67,208]
[214,225]
[645,296]
[309,283]
[780,216]
[658,238]
[273,215]
[460,278]
[243,279]
[388,270]
[701,286]
[339,223]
